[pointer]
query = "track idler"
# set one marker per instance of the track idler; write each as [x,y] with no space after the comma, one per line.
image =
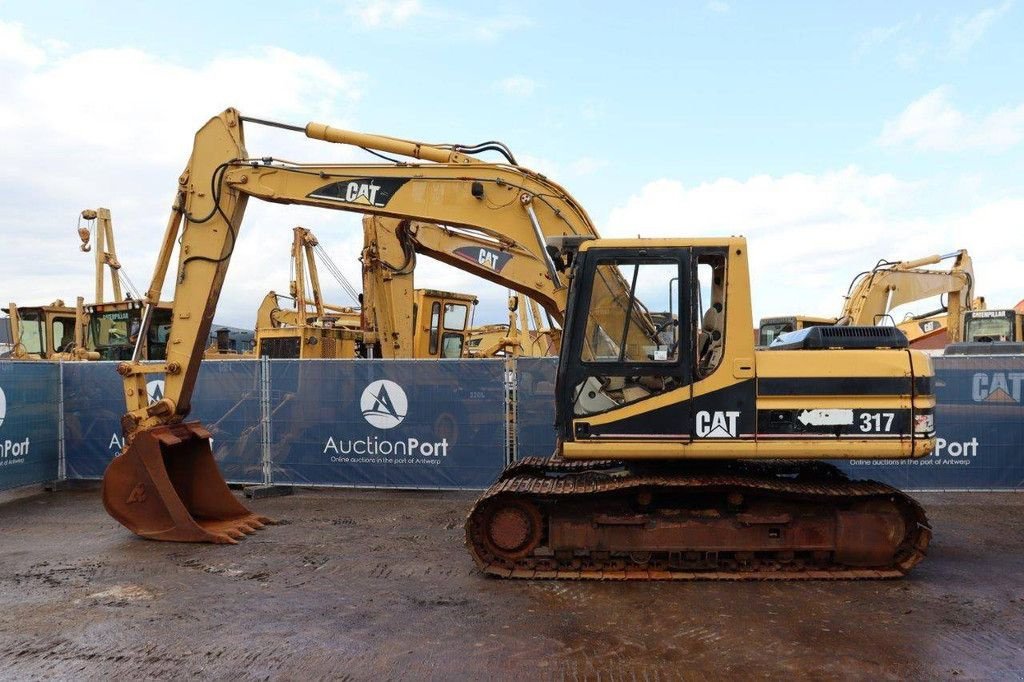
[166,486]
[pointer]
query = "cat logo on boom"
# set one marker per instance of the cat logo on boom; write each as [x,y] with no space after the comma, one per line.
[362,191]
[494,261]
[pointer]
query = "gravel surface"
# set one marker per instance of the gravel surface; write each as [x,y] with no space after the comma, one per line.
[377,584]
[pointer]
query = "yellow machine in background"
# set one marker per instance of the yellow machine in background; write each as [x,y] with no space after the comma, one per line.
[875,293]
[48,332]
[525,335]
[670,437]
[991,332]
[111,327]
[312,329]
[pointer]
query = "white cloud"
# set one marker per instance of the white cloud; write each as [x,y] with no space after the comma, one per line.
[114,127]
[810,234]
[967,31]
[516,86]
[489,29]
[384,13]
[16,48]
[876,36]
[587,165]
[388,14]
[932,123]
[719,6]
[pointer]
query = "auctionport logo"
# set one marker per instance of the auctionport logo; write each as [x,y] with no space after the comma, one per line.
[155,390]
[384,404]
[11,451]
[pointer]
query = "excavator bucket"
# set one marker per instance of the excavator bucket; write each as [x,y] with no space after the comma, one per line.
[166,486]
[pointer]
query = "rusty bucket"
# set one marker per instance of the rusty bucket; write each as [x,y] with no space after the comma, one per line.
[166,486]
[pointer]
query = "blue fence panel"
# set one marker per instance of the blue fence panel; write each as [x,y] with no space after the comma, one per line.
[980,423]
[226,400]
[93,405]
[388,423]
[536,406]
[29,437]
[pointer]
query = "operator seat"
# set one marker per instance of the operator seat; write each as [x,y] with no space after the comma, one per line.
[713,340]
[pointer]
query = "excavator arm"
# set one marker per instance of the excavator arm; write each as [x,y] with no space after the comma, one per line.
[500,201]
[509,204]
[389,259]
[875,293]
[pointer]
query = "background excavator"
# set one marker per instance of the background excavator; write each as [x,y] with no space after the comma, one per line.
[437,321]
[875,293]
[525,334]
[46,332]
[991,332]
[111,326]
[61,332]
[661,426]
[310,328]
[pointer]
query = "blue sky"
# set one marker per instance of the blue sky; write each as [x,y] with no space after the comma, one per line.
[870,129]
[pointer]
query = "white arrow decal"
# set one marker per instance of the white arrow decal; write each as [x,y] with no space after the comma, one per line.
[826,417]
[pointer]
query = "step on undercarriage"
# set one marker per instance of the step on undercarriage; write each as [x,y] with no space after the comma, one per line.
[704,521]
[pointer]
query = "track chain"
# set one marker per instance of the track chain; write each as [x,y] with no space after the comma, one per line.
[547,480]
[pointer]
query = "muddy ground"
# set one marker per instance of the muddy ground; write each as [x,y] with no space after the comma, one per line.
[374,584]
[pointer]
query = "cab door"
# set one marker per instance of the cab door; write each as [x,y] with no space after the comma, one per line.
[626,364]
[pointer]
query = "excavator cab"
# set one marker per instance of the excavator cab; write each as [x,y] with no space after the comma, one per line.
[614,357]
[42,332]
[113,329]
[992,326]
[442,322]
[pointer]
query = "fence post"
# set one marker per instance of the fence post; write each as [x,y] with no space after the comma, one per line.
[268,465]
[62,463]
[267,487]
[511,383]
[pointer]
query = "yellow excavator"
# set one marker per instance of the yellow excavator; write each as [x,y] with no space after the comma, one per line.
[310,328]
[873,294]
[682,451]
[991,332]
[525,335]
[111,327]
[47,332]
[437,320]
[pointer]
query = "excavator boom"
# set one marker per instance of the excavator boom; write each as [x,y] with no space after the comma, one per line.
[502,201]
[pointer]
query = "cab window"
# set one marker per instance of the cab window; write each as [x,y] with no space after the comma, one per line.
[451,345]
[455,315]
[63,335]
[620,324]
[435,321]
[31,338]
[631,341]
[710,296]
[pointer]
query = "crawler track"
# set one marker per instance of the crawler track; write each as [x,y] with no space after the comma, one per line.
[732,521]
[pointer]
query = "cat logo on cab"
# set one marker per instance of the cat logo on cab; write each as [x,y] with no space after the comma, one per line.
[717,424]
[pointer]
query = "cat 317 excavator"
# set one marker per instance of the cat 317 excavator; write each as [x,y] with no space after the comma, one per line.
[682,451]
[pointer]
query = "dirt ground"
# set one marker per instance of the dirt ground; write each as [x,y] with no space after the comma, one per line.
[375,584]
